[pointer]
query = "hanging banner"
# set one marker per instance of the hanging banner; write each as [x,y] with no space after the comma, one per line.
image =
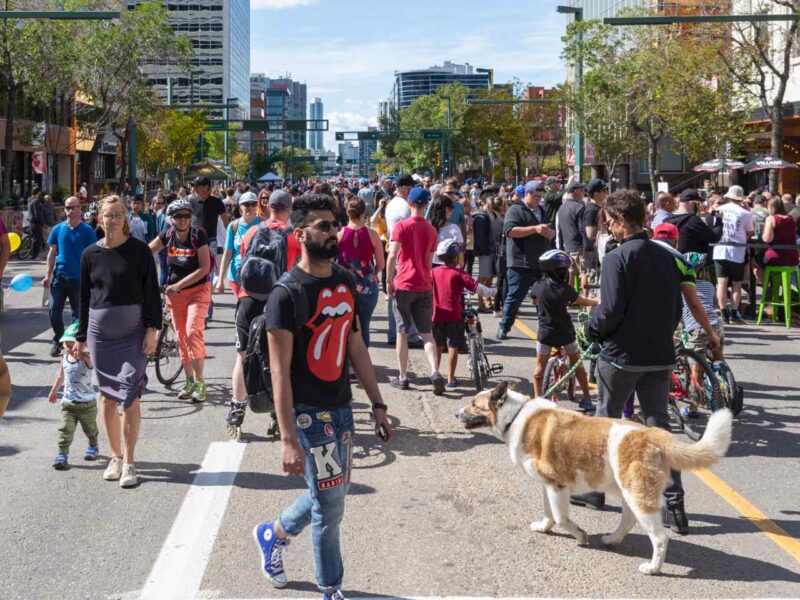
[39,163]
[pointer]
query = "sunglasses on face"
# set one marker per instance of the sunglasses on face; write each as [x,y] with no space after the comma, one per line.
[326,226]
[610,222]
[181,216]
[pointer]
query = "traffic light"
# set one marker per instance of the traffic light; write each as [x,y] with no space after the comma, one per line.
[339,137]
[438,159]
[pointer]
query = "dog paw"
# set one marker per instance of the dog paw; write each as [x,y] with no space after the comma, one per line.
[582,537]
[542,526]
[609,540]
[647,569]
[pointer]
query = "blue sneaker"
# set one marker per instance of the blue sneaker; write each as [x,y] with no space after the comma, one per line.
[451,385]
[91,452]
[689,414]
[586,405]
[271,548]
[337,595]
[60,463]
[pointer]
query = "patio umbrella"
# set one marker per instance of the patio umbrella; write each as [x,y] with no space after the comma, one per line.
[209,169]
[268,177]
[718,164]
[766,163]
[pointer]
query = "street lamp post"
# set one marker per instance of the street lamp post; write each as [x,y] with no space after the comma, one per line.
[449,134]
[577,11]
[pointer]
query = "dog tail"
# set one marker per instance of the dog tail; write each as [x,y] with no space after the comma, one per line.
[706,452]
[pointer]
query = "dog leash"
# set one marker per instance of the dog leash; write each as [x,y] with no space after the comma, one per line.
[590,352]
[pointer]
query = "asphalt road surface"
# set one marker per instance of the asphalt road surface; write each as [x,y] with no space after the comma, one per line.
[439,512]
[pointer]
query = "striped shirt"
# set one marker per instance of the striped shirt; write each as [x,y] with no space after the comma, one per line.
[708,297]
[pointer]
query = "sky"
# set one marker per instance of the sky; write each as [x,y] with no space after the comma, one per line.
[347,51]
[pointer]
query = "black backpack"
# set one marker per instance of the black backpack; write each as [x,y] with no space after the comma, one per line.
[264,262]
[255,365]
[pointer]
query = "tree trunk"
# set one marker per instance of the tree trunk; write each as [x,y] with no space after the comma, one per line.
[776,143]
[652,163]
[93,154]
[518,164]
[8,152]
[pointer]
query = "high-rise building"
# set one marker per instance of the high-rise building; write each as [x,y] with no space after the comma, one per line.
[219,31]
[298,105]
[276,106]
[366,148]
[409,85]
[316,113]
[291,92]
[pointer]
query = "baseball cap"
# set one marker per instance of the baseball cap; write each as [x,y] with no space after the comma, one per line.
[70,333]
[595,186]
[689,195]
[665,231]
[280,199]
[552,179]
[419,195]
[201,180]
[576,185]
[247,197]
[448,247]
[520,190]
[533,186]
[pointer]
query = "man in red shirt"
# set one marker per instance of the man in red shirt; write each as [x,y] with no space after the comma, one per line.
[409,281]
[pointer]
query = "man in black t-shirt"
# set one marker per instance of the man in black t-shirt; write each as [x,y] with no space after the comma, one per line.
[206,210]
[313,337]
[596,193]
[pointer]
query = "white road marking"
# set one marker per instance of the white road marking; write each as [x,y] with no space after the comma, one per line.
[181,564]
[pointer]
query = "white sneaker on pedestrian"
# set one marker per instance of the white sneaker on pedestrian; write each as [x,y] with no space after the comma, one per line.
[128,478]
[114,469]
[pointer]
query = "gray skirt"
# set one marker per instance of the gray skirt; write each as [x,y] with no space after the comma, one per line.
[486,266]
[115,336]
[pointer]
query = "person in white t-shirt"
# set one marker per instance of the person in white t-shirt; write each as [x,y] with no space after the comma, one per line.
[396,210]
[730,261]
[440,212]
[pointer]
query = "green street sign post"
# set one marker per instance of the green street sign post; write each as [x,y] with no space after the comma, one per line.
[432,134]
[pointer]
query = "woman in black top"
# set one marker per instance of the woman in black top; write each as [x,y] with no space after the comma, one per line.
[120,316]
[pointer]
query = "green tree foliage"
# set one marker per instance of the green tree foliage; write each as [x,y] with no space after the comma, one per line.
[293,169]
[646,85]
[168,140]
[240,163]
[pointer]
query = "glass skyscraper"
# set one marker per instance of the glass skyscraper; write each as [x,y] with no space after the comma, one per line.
[409,85]
[316,112]
[219,31]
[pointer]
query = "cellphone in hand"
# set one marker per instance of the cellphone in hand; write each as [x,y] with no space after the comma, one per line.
[384,435]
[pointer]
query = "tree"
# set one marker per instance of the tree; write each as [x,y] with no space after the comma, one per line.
[630,91]
[111,70]
[240,163]
[758,57]
[290,168]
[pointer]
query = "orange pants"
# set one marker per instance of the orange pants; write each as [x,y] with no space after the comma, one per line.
[189,308]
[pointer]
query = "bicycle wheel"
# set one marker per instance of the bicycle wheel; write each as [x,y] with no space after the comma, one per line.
[732,392]
[553,371]
[168,360]
[475,363]
[25,248]
[711,397]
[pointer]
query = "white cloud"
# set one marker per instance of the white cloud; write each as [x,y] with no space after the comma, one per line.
[279,4]
[346,121]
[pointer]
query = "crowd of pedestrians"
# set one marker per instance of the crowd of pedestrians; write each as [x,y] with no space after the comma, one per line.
[343,245]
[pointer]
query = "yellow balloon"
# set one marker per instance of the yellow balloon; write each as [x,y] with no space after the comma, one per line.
[14,240]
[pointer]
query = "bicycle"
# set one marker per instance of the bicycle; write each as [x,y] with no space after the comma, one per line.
[732,393]
[559,373]
[167,356]
[26,246]
[686,389]
[477,361]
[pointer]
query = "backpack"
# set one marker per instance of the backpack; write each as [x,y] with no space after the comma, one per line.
[195,241]
[264,262]
[255,365]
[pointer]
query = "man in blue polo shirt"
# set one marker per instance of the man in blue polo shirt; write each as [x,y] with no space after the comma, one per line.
[67,241]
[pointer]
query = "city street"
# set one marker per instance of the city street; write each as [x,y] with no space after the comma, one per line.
[440,512]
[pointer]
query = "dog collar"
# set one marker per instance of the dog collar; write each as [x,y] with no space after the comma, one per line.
[511,422]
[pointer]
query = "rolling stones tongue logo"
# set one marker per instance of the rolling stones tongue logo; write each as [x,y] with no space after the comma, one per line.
[330,326]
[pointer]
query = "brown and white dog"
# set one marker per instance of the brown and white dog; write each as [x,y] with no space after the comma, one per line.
[571,453]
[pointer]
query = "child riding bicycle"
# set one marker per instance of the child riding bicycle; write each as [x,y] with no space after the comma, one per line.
[555,325]
[449,283]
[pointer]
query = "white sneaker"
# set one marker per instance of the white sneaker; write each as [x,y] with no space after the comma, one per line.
[114,469]
[128,478]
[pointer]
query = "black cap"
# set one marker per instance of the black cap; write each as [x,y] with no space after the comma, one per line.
[405,180]
[575,185]
[689,195]
[552,179]
[201,180]
[596,185]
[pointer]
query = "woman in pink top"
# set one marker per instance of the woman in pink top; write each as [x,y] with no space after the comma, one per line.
[779,230]
[361,252]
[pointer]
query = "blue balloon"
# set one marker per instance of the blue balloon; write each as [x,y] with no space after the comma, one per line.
[21,282]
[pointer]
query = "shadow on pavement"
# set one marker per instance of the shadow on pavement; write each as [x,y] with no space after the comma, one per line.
[704,524]
[758,432]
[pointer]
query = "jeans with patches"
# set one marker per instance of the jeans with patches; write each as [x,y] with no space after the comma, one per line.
[326,436]
[615,386]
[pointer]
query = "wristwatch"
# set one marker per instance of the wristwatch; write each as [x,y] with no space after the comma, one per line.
[379,405]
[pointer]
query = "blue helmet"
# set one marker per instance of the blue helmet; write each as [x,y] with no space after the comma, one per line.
[553,260]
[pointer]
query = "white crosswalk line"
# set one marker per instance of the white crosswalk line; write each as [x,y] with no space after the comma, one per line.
[181,564]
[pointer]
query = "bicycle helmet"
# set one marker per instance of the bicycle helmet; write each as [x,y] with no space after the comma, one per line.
[447,248]
[94,208]
[554,260]
[696,259]
[177,205]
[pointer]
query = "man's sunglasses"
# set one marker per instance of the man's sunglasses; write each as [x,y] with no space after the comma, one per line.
[326,226]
